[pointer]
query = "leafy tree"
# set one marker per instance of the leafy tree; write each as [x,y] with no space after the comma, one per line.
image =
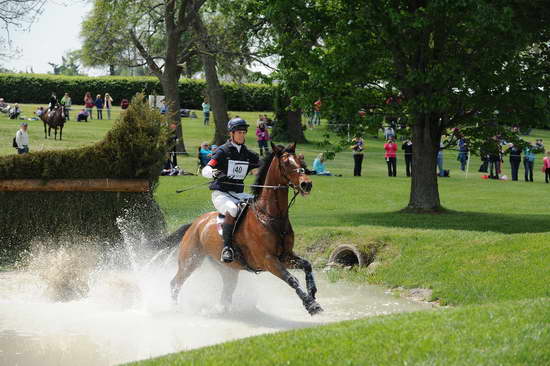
[445,64]
[70,64]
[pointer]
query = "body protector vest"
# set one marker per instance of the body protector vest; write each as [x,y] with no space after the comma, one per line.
[234,165]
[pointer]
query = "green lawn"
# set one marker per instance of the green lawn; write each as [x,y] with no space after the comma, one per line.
[488,257]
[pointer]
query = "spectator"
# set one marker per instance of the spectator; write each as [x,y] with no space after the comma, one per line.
[89,104]
[66,102]
[389,132]
[14,111]
[515,160]
[303,164]
[462,153]
[108,104]
[206,111]
[98,102]
[315,119]
[22,139]
[528,162]
[3,105]
[163,107]
[263,137]
[319,166]
[407,147]
[546,167]
[82,116]
[169,169]
[124,103]
[205,153]
[391,156]
[268,121]
[439,160]
[39,111]
[539,146]
[357,147]
[214,148]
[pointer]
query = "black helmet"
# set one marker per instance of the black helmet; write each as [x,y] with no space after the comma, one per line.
[237,124]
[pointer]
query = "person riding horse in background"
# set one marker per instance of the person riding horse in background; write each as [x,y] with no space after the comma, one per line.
[53,102]
[228,167]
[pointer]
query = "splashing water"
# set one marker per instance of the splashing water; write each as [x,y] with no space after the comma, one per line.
[82,305]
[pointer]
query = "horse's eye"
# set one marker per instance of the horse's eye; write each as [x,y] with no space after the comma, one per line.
[301,170]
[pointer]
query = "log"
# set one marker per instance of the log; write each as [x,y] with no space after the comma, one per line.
[74,185]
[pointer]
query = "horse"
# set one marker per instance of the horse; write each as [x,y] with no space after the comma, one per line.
[54,119]
[263,238]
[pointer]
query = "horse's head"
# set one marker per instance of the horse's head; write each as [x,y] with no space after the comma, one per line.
[292,169]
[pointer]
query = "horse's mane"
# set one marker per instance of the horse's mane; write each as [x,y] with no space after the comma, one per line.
[264,168]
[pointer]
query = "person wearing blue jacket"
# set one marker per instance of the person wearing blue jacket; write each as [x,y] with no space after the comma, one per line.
[528,162]
[99,105]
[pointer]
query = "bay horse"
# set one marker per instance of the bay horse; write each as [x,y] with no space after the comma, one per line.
[54,119]
[264,238]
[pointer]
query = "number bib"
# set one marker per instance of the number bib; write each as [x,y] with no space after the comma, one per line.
[237,169]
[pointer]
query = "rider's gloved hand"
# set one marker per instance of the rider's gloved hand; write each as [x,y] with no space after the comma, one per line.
[217,174]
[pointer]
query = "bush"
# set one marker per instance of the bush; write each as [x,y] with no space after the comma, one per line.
[134,149]
[34,88]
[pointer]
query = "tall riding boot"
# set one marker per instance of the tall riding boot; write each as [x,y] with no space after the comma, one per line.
[227,233]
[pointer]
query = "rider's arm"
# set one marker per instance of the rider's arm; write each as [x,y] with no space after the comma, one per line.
[207,172]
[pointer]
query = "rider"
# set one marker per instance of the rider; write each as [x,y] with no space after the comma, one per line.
[53,102]
[229,166]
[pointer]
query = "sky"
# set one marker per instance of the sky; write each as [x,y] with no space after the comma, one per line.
[50,37]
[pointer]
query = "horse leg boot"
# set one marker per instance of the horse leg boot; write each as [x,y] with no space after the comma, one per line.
[301,263]
[309,302]
[228,226]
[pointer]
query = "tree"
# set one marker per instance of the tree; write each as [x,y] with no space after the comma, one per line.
[70,63]
[14,15]
[450,63]
[160,32]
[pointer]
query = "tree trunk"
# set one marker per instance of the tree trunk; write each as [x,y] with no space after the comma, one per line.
[424,190]
[214,89]
[294,126]
[112,70]
[169,81]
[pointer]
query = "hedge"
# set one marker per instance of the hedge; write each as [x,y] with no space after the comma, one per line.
[134,149]
[37,88]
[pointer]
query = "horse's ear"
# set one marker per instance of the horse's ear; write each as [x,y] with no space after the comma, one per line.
[292,147]
[274,147]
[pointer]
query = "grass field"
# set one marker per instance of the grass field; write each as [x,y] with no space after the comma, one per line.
[488,257]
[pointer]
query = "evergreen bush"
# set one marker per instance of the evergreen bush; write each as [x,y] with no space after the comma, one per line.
[134,149]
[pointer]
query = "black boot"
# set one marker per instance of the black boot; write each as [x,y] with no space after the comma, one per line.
[227,251]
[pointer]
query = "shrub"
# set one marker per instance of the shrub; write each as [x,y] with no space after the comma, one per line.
[134,149]
[35,88]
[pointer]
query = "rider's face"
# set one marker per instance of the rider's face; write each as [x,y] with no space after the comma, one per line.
[238,137]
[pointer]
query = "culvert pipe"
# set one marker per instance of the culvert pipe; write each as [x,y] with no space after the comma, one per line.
[347,255]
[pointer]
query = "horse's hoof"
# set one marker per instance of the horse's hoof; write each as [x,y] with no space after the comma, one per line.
[314,308]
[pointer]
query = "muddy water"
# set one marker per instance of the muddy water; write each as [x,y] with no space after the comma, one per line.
[127,314]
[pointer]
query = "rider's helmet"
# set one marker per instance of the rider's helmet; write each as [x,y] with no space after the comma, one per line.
[237,124]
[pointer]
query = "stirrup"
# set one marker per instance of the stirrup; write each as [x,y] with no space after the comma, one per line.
[227,255]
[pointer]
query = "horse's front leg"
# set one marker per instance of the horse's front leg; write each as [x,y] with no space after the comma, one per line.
[45,131]
[278,269]
[300,263]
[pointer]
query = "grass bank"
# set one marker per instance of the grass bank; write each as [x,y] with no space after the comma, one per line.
[510,333]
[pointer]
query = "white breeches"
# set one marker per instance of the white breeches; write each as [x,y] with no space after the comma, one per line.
[225,204]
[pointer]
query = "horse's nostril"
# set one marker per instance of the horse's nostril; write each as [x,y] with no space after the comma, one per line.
[306,186]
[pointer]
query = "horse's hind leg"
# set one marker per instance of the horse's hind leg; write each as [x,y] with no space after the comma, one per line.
[301,263]
[279,270]
[189,261]
[45,131]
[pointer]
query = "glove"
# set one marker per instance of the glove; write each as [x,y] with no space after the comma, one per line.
[217,174]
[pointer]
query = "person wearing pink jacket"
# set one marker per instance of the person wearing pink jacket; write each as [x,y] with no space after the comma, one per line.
[546,167]
[263,137]
[391,156]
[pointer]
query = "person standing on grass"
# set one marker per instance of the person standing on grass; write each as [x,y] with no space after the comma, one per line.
[462,153]
[408,149]
[357,147]
[262,136]
[108,104]
[528,162]
[546,167]
[66,102]
[89,104]
[515,160]
[206,112]
[99,106]
[22,139]
[391,156]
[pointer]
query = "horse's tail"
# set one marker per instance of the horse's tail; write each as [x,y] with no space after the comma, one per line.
[171,240]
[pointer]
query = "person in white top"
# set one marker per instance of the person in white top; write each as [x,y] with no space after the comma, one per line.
[22,139]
